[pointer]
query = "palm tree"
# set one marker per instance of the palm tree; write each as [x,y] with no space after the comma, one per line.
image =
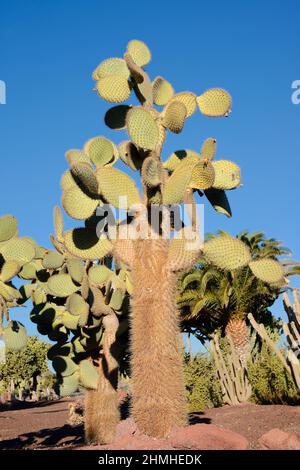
[210,298]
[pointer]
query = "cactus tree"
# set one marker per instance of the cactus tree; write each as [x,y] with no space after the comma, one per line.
[150,256]
[81,289]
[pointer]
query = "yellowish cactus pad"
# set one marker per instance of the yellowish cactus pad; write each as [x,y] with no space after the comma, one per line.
[175,158]
[215,102]
[188,99]
[227,252]
[9,270]
[19,250]
[203,176]
[117,188]
[174,116]
[85,244]
[100,150]
[177,184]
[268,270]
[151,172]
[77,204]
[142,128]
[113,88]
[139,52]
[162,91]
[112,66]
[85,178]
[61,285]
[227,174]
[130,155]
[75,155]
[58,223]
[184,249]
[8,227]
[67,181]
[208,149]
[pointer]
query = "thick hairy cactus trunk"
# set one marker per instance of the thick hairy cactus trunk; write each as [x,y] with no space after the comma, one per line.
[159,401]
[237,331]
[101,406]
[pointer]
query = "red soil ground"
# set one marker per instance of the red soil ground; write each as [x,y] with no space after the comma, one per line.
[43,425]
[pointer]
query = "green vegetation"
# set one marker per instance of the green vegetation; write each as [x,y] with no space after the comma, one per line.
[26,371]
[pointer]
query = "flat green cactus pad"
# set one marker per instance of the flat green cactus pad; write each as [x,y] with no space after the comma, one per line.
[75,156]
[177,184]
[67,385]
[162,91]
[117,188]
[184,250]
[76,305]
[174,116]
[208,149]
[67,181]
[142,128]
[139,52]
[188,99]
[227,174]
[8,227]
[100,150]
[215,102]
[176,157]
[64,365]
[9,270]
[203,176]
[89,376]
[15,336]
[112,66]
[85,244]
[61,285]
[113,88]
[19,250]
[268,270]
[53,260]
[75,269]
[219,201]
[151,172]
[98,275]
[227,253]
[77,204]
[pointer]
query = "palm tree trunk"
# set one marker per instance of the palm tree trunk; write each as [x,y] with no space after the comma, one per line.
[237,330]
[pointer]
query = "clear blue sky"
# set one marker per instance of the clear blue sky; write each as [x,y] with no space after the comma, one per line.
[48,50]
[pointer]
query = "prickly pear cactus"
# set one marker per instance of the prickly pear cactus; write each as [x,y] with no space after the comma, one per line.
[79,303]
[18,255]
[150,259]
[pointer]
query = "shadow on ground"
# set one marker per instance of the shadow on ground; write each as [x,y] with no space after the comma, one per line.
[65,436]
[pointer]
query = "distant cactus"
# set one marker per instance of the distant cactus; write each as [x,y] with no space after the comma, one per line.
[17,254]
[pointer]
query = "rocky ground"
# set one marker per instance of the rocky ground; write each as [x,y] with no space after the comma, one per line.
[44,426]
